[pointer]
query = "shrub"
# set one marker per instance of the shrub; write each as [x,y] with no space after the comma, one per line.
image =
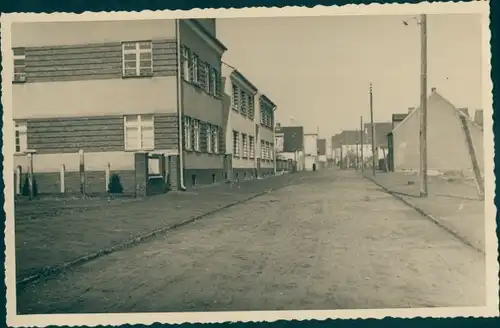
[26,187]
[115,184]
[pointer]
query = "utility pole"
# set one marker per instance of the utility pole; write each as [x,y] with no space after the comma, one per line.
[423,107]
[341,156]
[362,146]
[357,155]
[373,129]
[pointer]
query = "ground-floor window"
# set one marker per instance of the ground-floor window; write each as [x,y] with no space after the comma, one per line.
[244,140]
[236,144]
[139,132]
[251,143]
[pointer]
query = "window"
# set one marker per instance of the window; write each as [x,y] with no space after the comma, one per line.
[206,74]
[19,65]
[251,109]
[215,139]
[21,138]
[137,58]
[185,63]
[262,115]
[196,134]
[213,82]
[251,143]
[195,69]
[209,132]
[139,132]
[236,144]
[243,102]
[236,98]
[244,140]
[187,132]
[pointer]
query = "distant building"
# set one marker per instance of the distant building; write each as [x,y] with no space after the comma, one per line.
[292,138]
[322,154]
[249,128]
[454,140]
[311,159]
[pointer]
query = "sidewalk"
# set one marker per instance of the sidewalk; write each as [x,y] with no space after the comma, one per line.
[453,204]
[53,233]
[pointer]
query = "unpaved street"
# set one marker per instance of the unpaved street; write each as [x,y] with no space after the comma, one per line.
[332,241]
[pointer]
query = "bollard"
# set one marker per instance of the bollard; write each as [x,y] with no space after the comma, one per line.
[30,175]
[107,177]
[82,171]
[62,179]
[18,180]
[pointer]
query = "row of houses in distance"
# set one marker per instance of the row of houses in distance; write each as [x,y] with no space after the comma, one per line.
[305,150]
[349,145]
[112,89]
[454,141]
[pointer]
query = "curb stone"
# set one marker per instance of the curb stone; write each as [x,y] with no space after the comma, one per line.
[426,215]
[53,270]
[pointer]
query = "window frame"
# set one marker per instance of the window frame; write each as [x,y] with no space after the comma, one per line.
[244,145]
[215,136]
[21,137]
[140,125]
[236,144]
[137,51]
[186,59]
[235,103]
[21,76]
[196,68]
[196,133]
[213,81]
[251,145]
[208,128]
[206,74]
[187,132]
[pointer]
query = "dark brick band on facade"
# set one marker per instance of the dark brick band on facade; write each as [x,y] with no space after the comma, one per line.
[91,61]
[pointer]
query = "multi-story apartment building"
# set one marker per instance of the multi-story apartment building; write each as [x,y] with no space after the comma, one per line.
[114,88]
[249,128]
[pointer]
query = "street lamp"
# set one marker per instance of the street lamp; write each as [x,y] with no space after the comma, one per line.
[423,103]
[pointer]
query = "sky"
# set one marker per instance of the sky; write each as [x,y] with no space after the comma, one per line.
[318,69]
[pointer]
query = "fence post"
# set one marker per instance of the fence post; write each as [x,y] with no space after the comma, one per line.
[62,178]
[30,175]
[107,176]
[82,171]
[18,180]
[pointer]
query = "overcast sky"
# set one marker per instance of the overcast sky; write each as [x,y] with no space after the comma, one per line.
[318,69]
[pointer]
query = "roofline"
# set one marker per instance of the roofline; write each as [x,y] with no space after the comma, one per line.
[269,101]
[200,27]
[240,75]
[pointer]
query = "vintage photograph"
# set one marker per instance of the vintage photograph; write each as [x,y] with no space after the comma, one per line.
[336,163]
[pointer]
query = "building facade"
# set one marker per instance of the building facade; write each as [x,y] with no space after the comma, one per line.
[249,128]
[454,140]
[111,89]
[311,159]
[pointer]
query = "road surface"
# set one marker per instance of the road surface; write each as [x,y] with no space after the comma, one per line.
[332,241]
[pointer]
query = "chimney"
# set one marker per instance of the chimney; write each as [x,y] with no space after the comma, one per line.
[433,89]
[478,116]
[410,109]
[465,111]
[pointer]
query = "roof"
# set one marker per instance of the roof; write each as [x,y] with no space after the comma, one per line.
[399,117]
[350,137]
[382,129]
[266,99]
[458,111]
